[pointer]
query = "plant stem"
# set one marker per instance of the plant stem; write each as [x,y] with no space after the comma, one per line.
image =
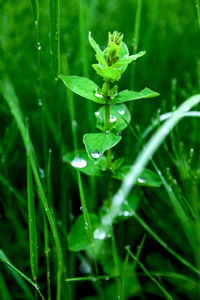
[109,151]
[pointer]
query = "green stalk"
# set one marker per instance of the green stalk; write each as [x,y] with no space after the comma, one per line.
[32,223]
[86,216]
[149,274]
[8,92]
[109,151]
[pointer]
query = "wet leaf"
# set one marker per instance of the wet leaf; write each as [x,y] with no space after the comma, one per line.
[77,239]
[97,143]
[119,117]
[146,178]
[84,87]
[127,95]
[80,160]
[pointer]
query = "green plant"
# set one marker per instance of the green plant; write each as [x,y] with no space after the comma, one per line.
[113,117]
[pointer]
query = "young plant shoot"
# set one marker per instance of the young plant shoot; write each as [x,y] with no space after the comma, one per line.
[112,117]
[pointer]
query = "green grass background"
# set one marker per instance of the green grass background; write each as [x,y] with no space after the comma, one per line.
[169,33]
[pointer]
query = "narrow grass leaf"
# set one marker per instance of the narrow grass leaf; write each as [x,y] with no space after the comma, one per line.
[15,272]
[8,92]
[4,291]
[35,7]
[147,153]
[149,274]
[32,222]
[87,221]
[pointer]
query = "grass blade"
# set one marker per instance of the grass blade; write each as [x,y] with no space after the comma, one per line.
[4,292]
[32,222]
[144,157]
[15,272]
[148,274]
[8,92]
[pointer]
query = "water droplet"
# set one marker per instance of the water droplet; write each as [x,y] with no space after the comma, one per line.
[96,154]
[51,51]
[39,46]
[56,36]
[79,162]
[74,124]
[98,95]
[99,234]
[49,34]
[40,102]
[41,171]
[121,111]
[107,278]
[81,208]
[97,113]
[119,133]
[113,118]
[141,180]
[126,214]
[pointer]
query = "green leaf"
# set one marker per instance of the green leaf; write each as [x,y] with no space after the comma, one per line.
[127,95]
[123,52]
[108,73]
[147,177]
[77,239]
[119,117]
[99,54]
[84,87]
[80,160]
[127,59]
[97,143]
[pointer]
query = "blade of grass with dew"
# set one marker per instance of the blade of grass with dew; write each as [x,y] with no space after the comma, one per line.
[172,197]
[116,260]
[15,272]
[198,10]
[163,243]
[4,291]
[149,274]
[88,226]
[32,222]
[136,36]
[145,155]
[47,252]
[8,92]
[54,30]
[35,7]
